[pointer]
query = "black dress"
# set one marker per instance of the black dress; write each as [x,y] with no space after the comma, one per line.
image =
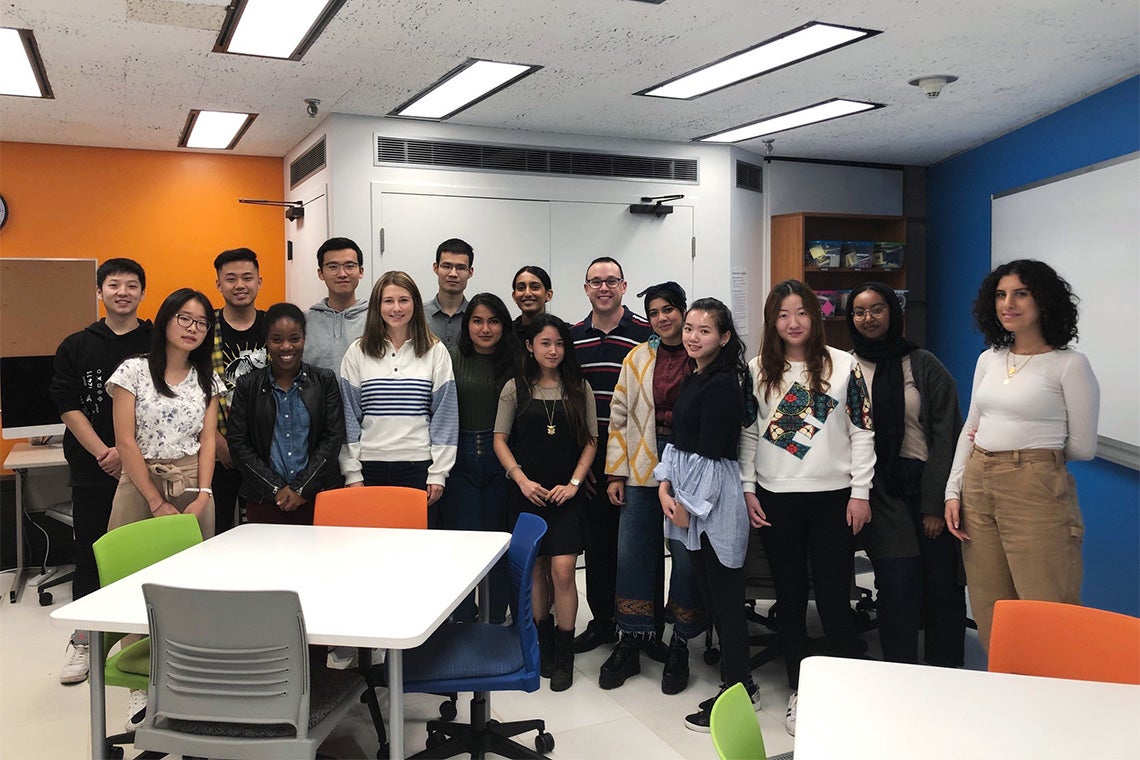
[549,460]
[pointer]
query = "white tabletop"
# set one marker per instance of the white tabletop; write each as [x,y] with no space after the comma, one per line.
[25,456]
[856,709]
[371,587]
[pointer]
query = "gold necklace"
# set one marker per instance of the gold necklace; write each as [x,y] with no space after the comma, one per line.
[1011,370]
[550,430]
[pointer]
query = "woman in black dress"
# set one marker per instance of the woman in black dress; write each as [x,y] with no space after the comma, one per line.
[545,437]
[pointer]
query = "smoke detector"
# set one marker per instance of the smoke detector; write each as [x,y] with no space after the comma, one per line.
[932,85]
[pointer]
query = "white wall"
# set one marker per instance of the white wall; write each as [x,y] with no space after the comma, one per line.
[750,252]
[302,285]
[822,188]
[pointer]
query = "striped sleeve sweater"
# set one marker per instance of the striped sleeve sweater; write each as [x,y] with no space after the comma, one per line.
[399,408]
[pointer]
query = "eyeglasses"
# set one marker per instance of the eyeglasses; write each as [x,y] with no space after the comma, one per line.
[447,266]
[350,267]
[874,311]
[609,282]
[186,321]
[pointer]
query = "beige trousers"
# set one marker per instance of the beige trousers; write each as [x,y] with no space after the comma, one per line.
[131,506]
[1020,511]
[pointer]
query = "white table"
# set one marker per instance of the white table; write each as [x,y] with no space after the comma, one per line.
[856,709]
[23,457]
[360,587]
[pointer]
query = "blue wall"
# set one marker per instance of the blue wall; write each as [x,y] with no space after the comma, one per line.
[1100,127]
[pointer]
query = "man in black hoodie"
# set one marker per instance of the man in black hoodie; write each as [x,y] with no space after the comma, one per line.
[83,363]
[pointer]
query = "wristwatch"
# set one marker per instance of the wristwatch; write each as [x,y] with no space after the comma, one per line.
[575,482]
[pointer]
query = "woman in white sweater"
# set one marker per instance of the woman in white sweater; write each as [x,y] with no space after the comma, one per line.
[1010,498]
[807,465]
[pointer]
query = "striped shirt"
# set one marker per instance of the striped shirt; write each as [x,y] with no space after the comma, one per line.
[399,408]
[601,355]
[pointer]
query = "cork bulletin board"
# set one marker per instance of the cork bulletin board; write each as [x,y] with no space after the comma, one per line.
[42,301]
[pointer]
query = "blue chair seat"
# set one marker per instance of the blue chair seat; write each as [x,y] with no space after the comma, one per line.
[466,651]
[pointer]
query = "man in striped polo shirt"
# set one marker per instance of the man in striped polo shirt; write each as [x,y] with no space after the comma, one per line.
[601,341]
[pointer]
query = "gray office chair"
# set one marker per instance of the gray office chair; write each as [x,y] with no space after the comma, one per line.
[231,677]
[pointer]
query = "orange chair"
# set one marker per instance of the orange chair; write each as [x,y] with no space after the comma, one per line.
[372,507]
[1064,641]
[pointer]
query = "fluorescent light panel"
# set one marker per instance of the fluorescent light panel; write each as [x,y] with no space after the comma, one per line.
[217,130]
[791,47]
[462,88]
[275,28]
[21,70]
[825,111]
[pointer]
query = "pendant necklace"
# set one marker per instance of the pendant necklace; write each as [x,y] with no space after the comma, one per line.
[1011,370]
[550,429]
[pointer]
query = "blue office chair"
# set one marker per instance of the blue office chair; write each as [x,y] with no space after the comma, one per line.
[481,658]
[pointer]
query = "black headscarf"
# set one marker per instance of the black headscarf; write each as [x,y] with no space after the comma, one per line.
[888,405]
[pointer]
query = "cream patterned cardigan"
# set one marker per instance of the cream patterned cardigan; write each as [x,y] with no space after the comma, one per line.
[631,451]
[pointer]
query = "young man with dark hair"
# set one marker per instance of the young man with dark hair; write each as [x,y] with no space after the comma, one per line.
[333,323]
[82,365]
[601,341]
[239,347]
[454,265]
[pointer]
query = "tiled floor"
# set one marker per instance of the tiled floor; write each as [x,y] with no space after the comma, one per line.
[41,719]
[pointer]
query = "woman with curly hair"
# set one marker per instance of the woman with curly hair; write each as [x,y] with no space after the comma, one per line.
[1010,498]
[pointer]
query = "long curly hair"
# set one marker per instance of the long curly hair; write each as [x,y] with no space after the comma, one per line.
[773,358]
[1056,304]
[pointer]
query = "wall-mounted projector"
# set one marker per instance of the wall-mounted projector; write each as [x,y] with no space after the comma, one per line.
[658,209]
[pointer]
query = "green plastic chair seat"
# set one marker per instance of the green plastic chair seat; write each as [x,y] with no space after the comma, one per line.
[735,730]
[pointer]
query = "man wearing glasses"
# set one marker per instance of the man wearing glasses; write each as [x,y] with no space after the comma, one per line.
[454,265]
[601,341]
[333,323]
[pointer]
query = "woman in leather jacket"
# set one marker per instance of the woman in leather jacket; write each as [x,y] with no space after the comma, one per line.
[286,426]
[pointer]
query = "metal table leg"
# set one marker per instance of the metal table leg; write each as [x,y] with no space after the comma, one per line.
[395,661]
[96,667]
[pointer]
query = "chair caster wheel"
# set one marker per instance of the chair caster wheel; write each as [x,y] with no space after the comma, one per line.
[113,751]
[544,743]
[434,739]
[712,656]
[45,599]
[382,752]
[448,710]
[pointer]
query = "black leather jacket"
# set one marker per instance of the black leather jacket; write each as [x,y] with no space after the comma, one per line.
[253,416]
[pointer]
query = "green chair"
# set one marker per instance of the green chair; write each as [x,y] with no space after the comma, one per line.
[119,553]
[735,729]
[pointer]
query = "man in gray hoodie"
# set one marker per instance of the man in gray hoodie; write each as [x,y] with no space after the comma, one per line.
[333,323]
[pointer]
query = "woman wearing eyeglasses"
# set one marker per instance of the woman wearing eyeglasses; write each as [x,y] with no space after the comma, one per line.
[165,412]
[914,406]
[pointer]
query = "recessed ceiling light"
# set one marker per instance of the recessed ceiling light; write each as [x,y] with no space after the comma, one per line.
[21,69]
[463,87]
[274,28]
[785,49]
[825,111]
[217,130]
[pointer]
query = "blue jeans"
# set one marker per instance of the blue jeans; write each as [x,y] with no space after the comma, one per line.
[640,563]
[475,498]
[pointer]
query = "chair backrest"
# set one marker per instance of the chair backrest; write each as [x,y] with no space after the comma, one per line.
[1064,641]
[230,657]
[735,730]
[372,507]
[129,548]
[521,556]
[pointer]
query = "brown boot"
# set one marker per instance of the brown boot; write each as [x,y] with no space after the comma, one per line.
[545,646]
[563,674]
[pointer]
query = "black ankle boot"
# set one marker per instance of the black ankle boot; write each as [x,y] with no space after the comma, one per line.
[545,646]
[675,676]
[563,674]
[623,662]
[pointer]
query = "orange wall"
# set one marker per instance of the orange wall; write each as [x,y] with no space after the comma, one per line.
[171,212]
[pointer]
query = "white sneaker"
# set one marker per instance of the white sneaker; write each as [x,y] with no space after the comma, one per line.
[136,709]
[790,715]
[75,669]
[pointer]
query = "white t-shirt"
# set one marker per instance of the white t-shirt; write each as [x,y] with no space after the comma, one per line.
[165,427]
[1052,401]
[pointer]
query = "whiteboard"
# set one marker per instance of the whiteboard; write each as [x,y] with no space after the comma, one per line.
[1086,225]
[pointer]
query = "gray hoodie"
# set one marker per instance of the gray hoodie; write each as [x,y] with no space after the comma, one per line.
[329,333]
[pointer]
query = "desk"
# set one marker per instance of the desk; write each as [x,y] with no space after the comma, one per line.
[360,587]
[857,709]
[21,458]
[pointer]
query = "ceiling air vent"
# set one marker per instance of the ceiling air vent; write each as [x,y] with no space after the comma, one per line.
[749,176]
[307,164]
[503,158]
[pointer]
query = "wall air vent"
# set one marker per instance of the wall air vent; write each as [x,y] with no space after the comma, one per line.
[749,176]
[307,164]
[502,158]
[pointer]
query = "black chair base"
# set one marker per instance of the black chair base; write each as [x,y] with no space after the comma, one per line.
[448,738]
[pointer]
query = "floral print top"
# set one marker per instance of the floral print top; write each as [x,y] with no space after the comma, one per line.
[165,427]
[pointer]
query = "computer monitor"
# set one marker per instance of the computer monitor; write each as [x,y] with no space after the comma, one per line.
[25,399]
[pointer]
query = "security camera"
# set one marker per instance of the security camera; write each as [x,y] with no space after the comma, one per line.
[311,107]
[931,86]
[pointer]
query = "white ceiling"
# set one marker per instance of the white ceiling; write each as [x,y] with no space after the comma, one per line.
[126,72]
